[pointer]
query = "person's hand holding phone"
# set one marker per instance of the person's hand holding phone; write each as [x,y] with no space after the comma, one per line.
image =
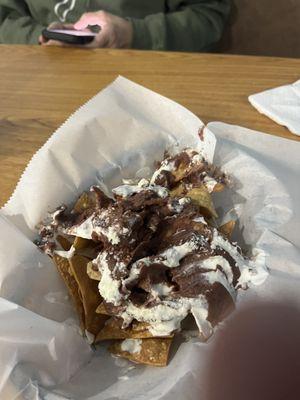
[59,26]
[114,32]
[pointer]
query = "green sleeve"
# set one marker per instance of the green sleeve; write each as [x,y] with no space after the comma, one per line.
[16,24]
[186,26]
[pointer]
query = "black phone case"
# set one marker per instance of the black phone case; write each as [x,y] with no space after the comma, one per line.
[66,38]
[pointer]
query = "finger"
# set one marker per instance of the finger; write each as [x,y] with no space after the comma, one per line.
[59,25]
[42,39]
[101,40]
[55,25]
[58,43]
[90,19]
[96,44]
[55,43]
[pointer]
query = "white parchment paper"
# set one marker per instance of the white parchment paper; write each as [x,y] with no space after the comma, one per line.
[123,129]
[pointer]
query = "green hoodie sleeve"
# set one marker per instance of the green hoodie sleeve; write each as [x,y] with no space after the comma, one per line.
[186,26]
[16,24]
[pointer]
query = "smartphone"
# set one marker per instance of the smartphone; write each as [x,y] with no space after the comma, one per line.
[69,36]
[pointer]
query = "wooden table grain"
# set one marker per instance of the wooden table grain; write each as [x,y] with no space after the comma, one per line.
[40,87]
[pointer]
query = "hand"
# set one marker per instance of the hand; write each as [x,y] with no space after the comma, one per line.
[55,25]
[115,32]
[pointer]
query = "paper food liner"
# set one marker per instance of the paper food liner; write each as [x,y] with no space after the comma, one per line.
[122,130]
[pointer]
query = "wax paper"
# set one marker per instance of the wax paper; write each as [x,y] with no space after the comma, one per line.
[122,130]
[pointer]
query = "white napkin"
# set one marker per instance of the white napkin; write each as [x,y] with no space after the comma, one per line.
[281,104]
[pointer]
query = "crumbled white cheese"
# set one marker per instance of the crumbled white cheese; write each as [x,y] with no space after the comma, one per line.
[131,345]
[177,205]
[197,159]
[129,190]
[210,183]
[160,289]
[111,233]
[160,191]
[143,183]
[165,166]
[184,200]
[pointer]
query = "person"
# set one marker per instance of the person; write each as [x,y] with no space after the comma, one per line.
[190,25]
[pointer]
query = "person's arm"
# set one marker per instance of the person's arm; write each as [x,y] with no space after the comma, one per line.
[16,24]
[186,26]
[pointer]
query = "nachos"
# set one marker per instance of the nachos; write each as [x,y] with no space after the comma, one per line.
[139,261]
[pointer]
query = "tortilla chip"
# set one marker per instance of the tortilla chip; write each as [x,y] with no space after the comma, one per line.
[86,247]
[153,351]
[90,294]
[102,310]
[113,330]
[219,187]
[177,191]
[181,172]
[202,197]
[96,275]
[63,267]
[81,243]
[64,242]
[227,228]
[84,202]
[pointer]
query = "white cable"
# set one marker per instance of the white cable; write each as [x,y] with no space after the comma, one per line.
[62,17]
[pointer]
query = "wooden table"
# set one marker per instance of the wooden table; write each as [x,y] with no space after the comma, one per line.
[41,87]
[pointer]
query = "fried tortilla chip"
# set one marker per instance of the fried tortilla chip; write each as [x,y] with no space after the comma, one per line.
[219,187]
[227,228]
[84,202]
[96,198]
[153,351]
[81,243]
[177,191]
[63,268]
[86,247]
[90,294]
[64,242]
[113,330]
[102,310]
[202,198]
[181,172]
